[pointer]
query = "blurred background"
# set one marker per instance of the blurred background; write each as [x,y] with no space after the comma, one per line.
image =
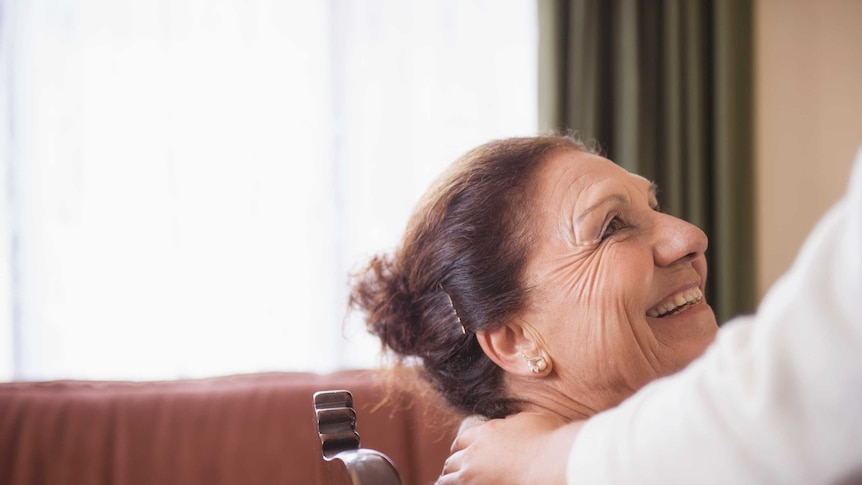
[186,184]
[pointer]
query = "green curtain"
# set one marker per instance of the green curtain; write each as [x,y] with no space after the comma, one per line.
[665,88]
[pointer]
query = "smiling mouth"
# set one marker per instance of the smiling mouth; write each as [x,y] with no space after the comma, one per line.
[677,303]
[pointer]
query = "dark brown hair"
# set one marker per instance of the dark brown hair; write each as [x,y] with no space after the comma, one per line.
[467,241]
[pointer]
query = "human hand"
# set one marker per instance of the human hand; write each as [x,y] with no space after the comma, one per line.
[521,449]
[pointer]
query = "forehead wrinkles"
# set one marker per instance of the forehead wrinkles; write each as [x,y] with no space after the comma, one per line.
[562,185]
[625,186]
[558,194]
[566,180]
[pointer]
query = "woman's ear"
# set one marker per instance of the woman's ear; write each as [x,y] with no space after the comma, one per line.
[515,349]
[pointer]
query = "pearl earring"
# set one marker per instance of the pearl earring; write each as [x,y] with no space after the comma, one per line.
[536,364]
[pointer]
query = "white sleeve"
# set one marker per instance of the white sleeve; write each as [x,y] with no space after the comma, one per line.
[776,399]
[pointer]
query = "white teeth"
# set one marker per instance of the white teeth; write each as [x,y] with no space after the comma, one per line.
[675,302]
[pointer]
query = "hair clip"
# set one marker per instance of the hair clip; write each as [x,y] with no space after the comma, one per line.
[455,310]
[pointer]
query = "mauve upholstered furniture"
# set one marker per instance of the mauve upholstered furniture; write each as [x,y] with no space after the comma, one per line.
[233,430]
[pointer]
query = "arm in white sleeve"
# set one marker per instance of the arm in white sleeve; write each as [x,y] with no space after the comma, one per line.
[776,399]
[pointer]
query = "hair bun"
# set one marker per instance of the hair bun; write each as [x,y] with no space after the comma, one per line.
[382,293]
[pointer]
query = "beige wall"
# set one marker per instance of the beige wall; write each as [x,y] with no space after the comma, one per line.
[808,122]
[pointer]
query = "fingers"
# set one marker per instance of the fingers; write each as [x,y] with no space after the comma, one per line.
[447,480]
[464,439]
[471,421]
[451,469]
[453,463]
[467,432]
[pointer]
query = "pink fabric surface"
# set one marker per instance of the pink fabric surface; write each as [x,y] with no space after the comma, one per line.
[244,429]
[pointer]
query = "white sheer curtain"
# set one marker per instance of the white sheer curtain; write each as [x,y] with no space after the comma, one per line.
[188,183]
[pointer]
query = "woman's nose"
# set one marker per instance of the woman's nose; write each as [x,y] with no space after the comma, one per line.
[677,240]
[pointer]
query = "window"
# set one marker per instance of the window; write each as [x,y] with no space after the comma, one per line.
[187,184]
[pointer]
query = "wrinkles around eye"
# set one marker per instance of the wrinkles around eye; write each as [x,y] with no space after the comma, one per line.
[614,225]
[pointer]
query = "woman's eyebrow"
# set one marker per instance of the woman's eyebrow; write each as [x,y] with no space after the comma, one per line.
[619,198]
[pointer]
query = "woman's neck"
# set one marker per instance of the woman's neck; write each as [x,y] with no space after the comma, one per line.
[546,395]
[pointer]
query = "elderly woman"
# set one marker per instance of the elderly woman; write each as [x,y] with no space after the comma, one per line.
[775,399]
[538,276]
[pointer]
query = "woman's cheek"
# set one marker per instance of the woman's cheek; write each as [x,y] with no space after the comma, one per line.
[593,298]
[611,275]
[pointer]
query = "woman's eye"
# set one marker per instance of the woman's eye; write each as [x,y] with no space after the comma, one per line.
[612,227]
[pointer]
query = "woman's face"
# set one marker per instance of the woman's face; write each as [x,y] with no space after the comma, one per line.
[617,284]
